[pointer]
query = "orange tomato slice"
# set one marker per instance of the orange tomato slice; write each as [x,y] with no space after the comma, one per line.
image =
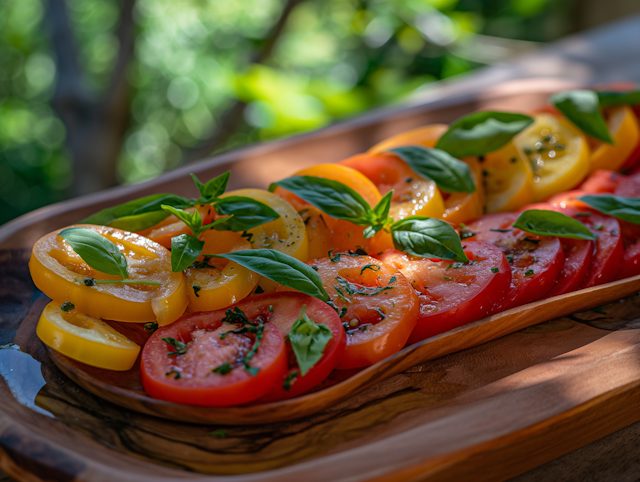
[425,136]
[625,132]
[461,207]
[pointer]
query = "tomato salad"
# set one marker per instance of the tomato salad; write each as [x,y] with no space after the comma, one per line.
[255,296]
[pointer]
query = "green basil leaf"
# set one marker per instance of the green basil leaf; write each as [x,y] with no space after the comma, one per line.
[308,341]
[371,231]
[331,197]
[246,213]
[214,187]
[185,249]
[612,99]
[551,223]
[281,268]
[129,216]
[381,210]
[582,107]
[449,174]
[96,250]
[427,238]
[482,132]
[191,220]
[625,208]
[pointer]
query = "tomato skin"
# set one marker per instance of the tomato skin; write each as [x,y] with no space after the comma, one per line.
[371,337]
[286,310]
[628,187]
[214,390]
[447,304]
[536,264]
[602,181]
[578,258]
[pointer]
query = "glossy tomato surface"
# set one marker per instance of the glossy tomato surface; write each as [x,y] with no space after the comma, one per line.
[602,181]
[379,307]
[630,265]
[452,294]
[188,376]
[536,261]
[286,310]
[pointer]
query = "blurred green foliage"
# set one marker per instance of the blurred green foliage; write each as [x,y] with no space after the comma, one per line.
[193,61]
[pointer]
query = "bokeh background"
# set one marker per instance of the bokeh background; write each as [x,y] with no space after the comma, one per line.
[95,93]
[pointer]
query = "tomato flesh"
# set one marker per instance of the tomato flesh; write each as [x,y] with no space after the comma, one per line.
[189,378]
[536,261]
[630,265]
[381,306]
[602,181]
[286,310]
[453,294]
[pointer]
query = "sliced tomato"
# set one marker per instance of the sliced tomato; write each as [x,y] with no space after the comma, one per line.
[630,265]
[628,187]
[454,294]
[286,310]
[379,307]
[608,247]
[577,262]
[602,181]
[188,377]
[536,261]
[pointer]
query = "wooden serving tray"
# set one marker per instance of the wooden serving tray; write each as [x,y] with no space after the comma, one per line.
[488,412]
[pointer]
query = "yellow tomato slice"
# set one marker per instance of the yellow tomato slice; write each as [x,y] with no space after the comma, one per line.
[58,272]
[508,179]
[558,154]
[287,234]
[86,339]
[426,136]
[222,283]
[625,132]
[461,207]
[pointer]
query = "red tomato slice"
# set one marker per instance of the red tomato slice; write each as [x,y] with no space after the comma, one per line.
[602,181]
[566,199]
[189,378]
[630,265]
[381,306]
[628,187]
[608,252]
[286,310]
[453,294]
[536,261]
[577,262]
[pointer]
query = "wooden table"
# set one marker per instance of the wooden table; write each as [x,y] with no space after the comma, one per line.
[606,54]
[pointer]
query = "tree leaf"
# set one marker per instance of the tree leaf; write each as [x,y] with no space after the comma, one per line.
[551,223]
[138,214]
[427,238]
[281,268]
[246,213]
[582,107]
[185,249]
[482,132]
[449,174]
[612,99]
[308,341]
[625,208]
[97,251]
[213,188]
[331,197]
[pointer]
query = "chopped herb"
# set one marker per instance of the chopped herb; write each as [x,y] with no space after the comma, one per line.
[614,233]
[346,326]
[409,179]
[501,230]
[587,213]
[253,371]
[180,347]
[531,240]
[67,306]
[535,259]
[290,380]
[455,266]
[201,264]
[176,374]
[235,316]
[341,294]
[151,327]
[249,236]
[392,279]
[334,259]
[358,252]
[447,279]
[223,369]
[89,281]
[372,267]
[529,272]
[259,290]
[271,308]
[196,288]
[598,226]
[382,315]
[218,433]
[343,312]
[314,268]
[363,328]
[509,258]
[465,233]
[354,289]
[472,262]
[495,270]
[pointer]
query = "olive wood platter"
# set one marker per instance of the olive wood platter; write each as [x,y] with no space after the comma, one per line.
[488,412]
[125,389]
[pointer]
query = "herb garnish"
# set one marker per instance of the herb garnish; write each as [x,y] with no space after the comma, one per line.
[290,380]
[151,327]
[180,348]
[67,306]
[308,340]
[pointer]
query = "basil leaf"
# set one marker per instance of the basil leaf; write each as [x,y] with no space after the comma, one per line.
[191,220]
[246,213]
[96,250]
[551,223]
[281,268]
[582,107]
[625,208]
[331,197]
[308,341]
[128,216]
[427,238]
[185,249]
[214,187]
[612,99]
[371,231]
[449,174]
[381,210]
[482,132]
